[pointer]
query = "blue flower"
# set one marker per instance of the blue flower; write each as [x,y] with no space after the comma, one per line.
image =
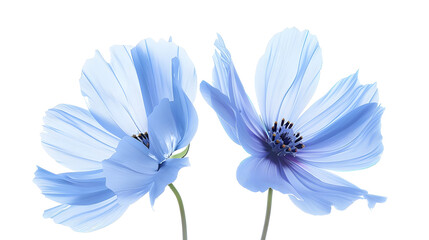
[140,112]
[292,149]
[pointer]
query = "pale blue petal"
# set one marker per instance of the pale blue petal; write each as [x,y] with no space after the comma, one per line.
[222,106]
[75,188]
[170,127]
[75,139]
[167,174]
[252,143]
[345,96]
[112,92]
[258,174]
[130,171]
[153,65]
[287,75]
[319,189]
[225,78]
[360,152]
[343,131]
[183,111]
[87,218]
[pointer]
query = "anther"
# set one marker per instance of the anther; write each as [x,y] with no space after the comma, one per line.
[289,149]
[283,146]
[287,124]
[277,141]
[298,139]
[295,150]
[283,122]
[297,135]
[299,146]
[275,126]
[291,125]
[274,136]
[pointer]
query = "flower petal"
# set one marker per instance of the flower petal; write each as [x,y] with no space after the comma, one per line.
[223,107]
[87,218]
[253,144]
[113,92]
[130,171]
[170,126]
[225,78]
[75,188]
[75,139]
[343,131]
[320,189]
[153,65]
[183,111]
[345,96]
[287,75]
[363,151]
[258,174]
[167,174]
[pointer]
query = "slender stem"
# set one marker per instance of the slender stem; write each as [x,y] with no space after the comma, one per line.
[268,213]
[182,211]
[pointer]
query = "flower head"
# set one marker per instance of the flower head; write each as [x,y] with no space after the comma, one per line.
[290,148]
[139,113]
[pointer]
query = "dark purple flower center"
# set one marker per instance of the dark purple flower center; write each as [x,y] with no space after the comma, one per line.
[283,140]
[143,138]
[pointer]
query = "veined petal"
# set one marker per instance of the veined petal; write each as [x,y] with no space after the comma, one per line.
[87,218]
[225,78]
[345,96]
[153,63]
[113,92]
[260,173]
[287,75]
[223,107]
[320,189]
[360,152]
[130,171]
[183,111]
[167,174]
[343,131]
[251,142]
[74,188]
[75,139]
[172,125]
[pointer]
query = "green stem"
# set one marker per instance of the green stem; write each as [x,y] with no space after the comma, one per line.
[267,214]
[182,210]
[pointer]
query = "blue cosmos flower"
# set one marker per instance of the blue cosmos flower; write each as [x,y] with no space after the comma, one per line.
[139,113]
[292,149]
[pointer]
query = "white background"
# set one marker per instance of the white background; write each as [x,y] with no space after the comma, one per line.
[44,44]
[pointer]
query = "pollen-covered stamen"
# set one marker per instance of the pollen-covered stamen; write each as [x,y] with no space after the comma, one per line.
[143,138]
[283,140]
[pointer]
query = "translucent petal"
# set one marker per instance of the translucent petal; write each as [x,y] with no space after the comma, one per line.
[287,75]
[112,92]
[130,171]
[319,189]
[75,139]
[360,152]
[153,63]
[225,78]
[87,218]
[167,174]
[258,174]
[345,96]
[223,107]
[75,188]
[249,141]
[172,125]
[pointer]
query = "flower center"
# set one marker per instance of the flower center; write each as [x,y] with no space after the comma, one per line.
[283,140]
[143,138]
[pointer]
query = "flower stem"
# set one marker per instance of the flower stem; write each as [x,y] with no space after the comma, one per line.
[182,211]
[268,213]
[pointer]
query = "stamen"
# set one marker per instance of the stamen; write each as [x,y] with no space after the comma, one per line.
[283,140]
